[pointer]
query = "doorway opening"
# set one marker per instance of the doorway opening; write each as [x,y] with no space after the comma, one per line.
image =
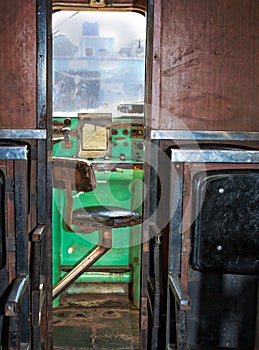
[98,154]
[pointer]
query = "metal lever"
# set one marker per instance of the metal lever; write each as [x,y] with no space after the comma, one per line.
[66,142]
[14,300]
[66,132]
[181,296]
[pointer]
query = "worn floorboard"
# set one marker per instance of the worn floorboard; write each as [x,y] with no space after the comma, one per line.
[96,321]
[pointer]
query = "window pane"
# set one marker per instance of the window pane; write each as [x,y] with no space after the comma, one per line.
[98,60]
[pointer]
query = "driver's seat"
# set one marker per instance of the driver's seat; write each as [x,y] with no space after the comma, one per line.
[78,175]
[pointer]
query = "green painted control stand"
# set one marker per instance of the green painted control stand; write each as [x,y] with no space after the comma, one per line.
[120,265]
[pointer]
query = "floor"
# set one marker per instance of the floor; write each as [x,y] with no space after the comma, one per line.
[96,321]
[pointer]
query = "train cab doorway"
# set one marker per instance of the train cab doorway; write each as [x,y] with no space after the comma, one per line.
[98,66]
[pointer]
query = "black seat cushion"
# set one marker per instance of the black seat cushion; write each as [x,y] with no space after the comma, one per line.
[225,231]
[101,216]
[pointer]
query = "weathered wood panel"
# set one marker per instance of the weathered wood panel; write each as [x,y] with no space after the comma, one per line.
[208,64]
[18,64]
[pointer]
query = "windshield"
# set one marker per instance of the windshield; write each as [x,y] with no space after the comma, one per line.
[98,60]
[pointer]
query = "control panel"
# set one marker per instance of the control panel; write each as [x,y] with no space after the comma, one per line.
[127,139]
[99,137]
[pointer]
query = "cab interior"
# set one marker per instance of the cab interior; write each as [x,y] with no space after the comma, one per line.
[98,128]
[129,158]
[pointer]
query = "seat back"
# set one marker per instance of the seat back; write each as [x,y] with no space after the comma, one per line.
[78,175]
[72,175]
[225,235]
[222,280]
[214,248]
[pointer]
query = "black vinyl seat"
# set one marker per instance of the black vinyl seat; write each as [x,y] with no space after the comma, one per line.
[78,175]
[225,232]
[105,216]
[213,262]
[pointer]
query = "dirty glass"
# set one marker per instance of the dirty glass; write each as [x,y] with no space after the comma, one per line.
[98,60]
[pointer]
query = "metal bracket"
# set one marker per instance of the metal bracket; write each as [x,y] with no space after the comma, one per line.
[97,3]
[14,300]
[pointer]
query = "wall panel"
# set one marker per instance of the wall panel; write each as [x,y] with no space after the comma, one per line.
[209,64]
[18,64]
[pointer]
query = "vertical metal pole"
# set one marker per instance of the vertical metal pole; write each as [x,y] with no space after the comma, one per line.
[147,121]
[174,251]
[43,332]
[22,238]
